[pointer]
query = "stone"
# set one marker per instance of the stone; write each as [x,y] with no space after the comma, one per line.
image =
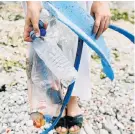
[13,125]
[101,109]
[115,132]
[17,120]
[29,123]
[133,132]
[131,72]
[132,119]
[11,119]
[120,125]
[108,126]
[3,129]
[103,131]
[99,125]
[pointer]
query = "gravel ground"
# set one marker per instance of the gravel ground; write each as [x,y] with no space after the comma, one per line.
[110,110]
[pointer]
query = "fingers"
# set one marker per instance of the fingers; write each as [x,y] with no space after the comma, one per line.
[34,21]
[101,27]
[101,24]
[102,15]
[31,23]
[27,30]
[107,23]
[97,23]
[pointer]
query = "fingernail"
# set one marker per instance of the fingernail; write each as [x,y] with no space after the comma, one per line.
[37,35]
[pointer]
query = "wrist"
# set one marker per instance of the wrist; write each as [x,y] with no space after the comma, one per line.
[29,3]
[34,4]
[100,2]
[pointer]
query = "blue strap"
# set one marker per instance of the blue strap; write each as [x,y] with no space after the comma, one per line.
[130,36]
[70,88]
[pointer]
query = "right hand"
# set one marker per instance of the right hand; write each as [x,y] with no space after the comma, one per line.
[32,18]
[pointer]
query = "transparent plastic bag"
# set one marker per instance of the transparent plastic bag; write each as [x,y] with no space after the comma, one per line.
[45,88]
[47,92]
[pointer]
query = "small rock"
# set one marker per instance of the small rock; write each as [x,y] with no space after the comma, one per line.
[1,3]
[3,88]
[101,109]
[17,128]
[99,125]
[29,123]
[12,119]
[11,132]
[3,129]
[132,119]
[13,124]
[103,131]
[120,125]
[115,132]
[131,72]
[21,132]
[11,103]
[17,120]
[108,126]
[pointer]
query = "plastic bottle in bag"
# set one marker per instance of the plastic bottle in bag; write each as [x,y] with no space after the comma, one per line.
[48,50]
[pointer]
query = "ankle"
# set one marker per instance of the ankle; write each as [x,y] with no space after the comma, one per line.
[73,99]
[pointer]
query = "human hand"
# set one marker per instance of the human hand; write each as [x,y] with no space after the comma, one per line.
[32,19]
[101,12]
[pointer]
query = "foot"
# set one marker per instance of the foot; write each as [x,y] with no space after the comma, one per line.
[73,110]
[61,130]
[61,127]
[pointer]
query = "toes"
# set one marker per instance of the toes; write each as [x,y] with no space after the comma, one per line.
[58,129]
[76,128]
[72,129]
[63,129]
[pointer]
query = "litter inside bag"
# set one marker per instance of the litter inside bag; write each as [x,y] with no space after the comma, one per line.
[45,87]
[53,57]
[45,94]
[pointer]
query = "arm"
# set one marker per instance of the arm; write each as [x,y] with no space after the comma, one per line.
[101,12]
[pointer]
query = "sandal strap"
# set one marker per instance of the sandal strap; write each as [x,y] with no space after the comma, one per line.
[61,123]
[77,120]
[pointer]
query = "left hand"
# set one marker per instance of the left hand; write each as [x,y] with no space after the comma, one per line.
[101,12]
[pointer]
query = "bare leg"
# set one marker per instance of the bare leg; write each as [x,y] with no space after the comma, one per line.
[73,110]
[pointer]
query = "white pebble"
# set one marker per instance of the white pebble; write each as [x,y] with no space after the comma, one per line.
[103,131]
[115,132]
[29,123]
[120,125]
